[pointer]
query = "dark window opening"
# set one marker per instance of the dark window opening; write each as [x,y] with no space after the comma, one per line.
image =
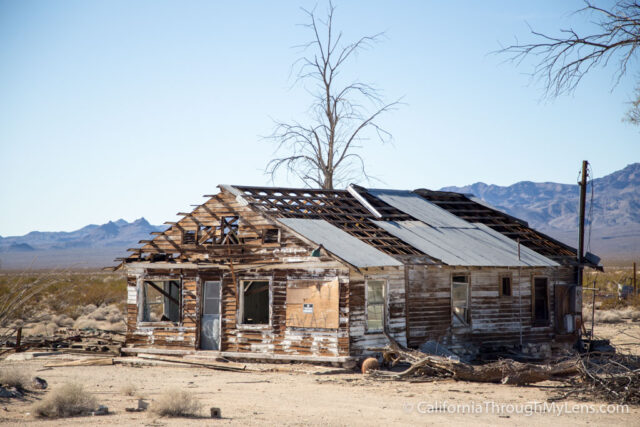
[188,237]
[254,302]
[271,236]
[161,301]
[505,286]
[540,302]
[229,230]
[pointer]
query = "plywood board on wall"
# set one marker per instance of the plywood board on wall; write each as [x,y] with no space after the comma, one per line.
[313,304]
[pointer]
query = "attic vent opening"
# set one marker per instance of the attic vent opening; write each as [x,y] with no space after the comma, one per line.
[229,227]
[188,237]
[271,235]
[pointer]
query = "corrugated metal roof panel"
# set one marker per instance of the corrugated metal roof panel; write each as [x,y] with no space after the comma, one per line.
[477,246]
[419,208]
[340,243]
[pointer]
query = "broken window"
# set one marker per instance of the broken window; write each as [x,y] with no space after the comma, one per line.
[271,235]
[205,235]
[229,230]
[254,302]
[375,305]
[540,301]
[161,301]
[460,300]
[188,237]
[313,304]
[505,286]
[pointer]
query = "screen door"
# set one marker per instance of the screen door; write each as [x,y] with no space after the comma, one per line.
[210,322]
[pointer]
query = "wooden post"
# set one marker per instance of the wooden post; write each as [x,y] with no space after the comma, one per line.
[635,288]
[583,196]
[18,338]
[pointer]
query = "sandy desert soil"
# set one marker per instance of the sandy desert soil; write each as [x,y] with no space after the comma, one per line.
[307,395]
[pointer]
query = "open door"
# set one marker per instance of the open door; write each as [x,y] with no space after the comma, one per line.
[210,322]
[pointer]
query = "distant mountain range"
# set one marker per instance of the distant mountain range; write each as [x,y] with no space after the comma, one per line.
[549,207]
[553,209]
[90,246]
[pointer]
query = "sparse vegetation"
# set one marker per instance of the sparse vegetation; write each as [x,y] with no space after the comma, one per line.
[45,301]
[130,389]
[176,403]
[70,400]
[14,377]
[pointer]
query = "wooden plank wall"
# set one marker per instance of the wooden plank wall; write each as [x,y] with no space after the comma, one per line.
[360,339]
[495,320]
[163,334]
[277,338]
[287,260]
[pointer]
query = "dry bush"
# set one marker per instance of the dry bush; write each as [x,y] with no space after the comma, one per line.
[70,400]
[129,389]
[63,321]
[14,377]
[85,323]
[609,316]
[176,403]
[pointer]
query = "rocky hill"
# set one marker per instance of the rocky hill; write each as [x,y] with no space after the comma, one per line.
[553,209]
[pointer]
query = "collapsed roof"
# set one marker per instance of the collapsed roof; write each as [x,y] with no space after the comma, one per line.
[377,227]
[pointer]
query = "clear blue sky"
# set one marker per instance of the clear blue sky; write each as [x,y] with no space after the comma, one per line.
[120,109]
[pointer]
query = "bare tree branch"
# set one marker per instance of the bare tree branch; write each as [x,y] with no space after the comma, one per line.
[322,152]
[565,59]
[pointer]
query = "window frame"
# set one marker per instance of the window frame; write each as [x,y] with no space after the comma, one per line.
[278,237]
[467,322]
[385,283]
[501,287]
[142,298]
[240,299]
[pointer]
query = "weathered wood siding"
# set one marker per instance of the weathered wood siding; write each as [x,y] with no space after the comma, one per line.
[277,262]
[163,334]
[278,338]
[395,314]
[495,320]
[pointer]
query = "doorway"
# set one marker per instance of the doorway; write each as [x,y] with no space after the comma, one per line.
[210,322]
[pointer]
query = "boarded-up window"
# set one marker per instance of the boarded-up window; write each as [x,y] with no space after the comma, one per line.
[375,305]
[161,301]
[460,300]
[313,304]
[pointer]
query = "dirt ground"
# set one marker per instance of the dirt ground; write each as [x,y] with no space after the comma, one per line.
[299,394]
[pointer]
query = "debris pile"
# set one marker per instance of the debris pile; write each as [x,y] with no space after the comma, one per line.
[425,367]
[69,340]
[605,375]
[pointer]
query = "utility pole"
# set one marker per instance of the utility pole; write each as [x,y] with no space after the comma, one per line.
[583,196]
[635,289]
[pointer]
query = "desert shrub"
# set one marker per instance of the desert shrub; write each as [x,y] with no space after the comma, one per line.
[176,403]
[120,326]
[130,389]
[610,303]
[100,313]
[70,400]
[62,320]
[86,323]
[44,328]
[609,316]
[14,377]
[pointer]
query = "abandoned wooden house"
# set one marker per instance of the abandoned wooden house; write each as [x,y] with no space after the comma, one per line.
[322,275]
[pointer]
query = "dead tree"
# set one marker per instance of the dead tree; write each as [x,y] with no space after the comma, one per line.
[324,151]
[563,60]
